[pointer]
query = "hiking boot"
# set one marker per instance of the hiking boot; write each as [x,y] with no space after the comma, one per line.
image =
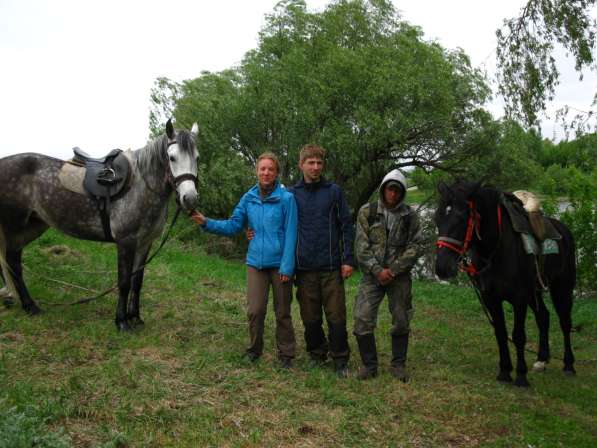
[342,372]
[365,373]
[286,363]
[341,368]
[368,352]
[399,372]
[316,361]
[251,357]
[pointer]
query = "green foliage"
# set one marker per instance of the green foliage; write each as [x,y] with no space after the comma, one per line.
[581,152]
[25,428]
[527,71]
[581,218]
[507,159]
[353,78]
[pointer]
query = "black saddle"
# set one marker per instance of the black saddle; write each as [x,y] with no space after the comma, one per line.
[520,218]
[104,176]
[105,179]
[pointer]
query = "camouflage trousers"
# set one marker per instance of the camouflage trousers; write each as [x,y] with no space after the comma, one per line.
[370,296]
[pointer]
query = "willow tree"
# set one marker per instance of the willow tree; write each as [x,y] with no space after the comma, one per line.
[528,66]
[354,78]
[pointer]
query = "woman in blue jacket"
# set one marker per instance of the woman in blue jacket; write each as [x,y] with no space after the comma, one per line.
[270,211]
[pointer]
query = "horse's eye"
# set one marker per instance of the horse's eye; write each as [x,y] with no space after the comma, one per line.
[172,158]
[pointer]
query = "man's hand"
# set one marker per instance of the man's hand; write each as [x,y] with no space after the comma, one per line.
[284,278]
[197,217]
[385,277]
[346,270]
[250,234]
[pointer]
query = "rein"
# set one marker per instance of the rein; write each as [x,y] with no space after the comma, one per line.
[109,290]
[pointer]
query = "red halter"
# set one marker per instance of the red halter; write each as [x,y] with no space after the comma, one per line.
[461,247]
[473,223]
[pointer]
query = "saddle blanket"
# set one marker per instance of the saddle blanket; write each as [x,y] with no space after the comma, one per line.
[531,246]
[72,174]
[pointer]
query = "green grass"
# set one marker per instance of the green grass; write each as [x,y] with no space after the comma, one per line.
[70,379]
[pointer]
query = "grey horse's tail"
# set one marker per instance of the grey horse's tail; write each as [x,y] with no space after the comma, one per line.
[6,270]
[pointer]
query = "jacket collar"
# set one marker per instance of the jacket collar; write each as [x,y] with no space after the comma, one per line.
[273,196]
[323,182]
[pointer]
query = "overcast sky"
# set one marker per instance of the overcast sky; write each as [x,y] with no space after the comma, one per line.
[79,73]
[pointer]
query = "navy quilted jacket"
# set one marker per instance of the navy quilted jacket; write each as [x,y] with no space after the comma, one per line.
[325,229]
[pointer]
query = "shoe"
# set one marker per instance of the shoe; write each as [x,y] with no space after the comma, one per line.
[251,356]
[316,362]
[366,374]
[286,363]
[399,372]
[342,372]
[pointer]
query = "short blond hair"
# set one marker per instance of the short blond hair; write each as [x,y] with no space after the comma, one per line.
[271,156]
[310,151]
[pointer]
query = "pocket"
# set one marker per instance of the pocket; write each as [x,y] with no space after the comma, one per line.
[377,233]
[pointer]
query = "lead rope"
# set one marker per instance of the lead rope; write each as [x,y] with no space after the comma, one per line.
[109,290]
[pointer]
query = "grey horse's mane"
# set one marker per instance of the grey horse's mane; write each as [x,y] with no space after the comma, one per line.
[152,159]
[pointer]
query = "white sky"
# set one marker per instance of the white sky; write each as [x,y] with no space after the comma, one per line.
[79,73]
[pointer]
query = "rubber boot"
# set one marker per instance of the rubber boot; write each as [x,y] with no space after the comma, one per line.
[368,351]
[399,351]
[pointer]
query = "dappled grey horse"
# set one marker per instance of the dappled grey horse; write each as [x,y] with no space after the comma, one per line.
[34,197]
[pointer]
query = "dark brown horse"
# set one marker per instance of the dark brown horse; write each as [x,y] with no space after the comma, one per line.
[33,198]
[476,233]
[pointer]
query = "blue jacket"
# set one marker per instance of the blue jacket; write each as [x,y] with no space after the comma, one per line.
[325,231]
[274,220]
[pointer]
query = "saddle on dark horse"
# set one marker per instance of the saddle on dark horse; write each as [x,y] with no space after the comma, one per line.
[539,236]
[106,178]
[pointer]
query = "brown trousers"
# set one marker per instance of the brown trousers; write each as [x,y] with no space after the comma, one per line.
[320,292]
[258,285]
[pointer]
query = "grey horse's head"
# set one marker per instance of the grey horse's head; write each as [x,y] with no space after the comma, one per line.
[182,161]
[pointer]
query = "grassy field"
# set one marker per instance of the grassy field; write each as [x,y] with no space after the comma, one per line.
[69,379]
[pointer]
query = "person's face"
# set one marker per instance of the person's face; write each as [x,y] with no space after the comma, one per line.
[266,172]
[311,168]
[392,195]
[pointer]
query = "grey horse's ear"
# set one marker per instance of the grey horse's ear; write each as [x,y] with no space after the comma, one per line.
[195,130]
[170,129]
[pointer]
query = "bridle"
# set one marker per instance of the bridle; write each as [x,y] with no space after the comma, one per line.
[176,181]
[473,224]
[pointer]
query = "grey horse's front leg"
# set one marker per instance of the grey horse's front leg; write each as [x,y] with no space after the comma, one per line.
[14,262]
[126,257]
[133,313]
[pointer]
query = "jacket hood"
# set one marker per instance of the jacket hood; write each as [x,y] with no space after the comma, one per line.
[395,175]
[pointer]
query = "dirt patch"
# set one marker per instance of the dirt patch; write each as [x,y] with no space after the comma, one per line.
[61,251]
[11,336]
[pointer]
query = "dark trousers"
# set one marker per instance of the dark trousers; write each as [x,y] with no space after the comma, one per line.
[320,292]
[258,285]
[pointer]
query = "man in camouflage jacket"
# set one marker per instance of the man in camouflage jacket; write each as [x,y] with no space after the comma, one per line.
[388,243]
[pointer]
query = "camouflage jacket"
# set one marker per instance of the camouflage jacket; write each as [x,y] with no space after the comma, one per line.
[378,247]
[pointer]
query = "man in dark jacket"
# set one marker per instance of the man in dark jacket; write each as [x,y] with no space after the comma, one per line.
[324,259]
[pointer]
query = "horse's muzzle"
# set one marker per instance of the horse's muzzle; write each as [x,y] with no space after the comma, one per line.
[446,264]
[187,195]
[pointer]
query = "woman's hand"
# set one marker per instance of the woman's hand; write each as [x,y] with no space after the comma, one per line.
[284,278]
[197,217]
